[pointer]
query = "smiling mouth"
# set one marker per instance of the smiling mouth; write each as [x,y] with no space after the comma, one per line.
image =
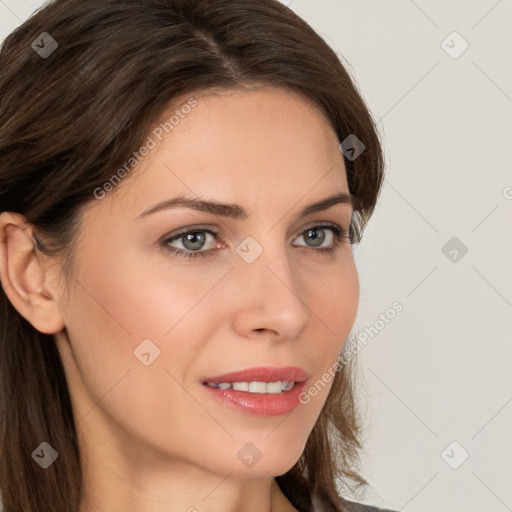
[254,386]
[262,391]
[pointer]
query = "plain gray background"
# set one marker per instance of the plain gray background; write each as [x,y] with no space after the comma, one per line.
[435,381]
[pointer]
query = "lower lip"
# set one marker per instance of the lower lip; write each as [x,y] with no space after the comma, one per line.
[260,404]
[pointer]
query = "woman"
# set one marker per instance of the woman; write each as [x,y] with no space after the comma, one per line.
[181,185]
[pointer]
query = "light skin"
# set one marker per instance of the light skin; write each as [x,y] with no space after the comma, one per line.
[152,439]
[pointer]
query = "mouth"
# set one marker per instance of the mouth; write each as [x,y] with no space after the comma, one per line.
[263,391]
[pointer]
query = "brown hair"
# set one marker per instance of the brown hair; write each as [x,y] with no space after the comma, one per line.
[68,120]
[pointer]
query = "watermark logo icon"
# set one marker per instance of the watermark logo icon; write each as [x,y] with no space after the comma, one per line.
[454,455]
[454,45]
[454,249]
[249,250]
[249,455]
[352,147]
[147,352]
[45,455]
[44,45]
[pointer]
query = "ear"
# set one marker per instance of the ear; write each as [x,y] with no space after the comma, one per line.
[24,275]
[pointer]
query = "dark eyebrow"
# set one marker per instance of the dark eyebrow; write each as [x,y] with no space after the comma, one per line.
[237,212]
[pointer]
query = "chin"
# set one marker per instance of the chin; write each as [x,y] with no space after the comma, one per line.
[262,460]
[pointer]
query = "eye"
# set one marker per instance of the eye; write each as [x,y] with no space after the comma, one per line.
[317,236]
[192,241]
[321,239]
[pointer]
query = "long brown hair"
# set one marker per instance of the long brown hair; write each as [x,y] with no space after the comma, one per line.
[69,118]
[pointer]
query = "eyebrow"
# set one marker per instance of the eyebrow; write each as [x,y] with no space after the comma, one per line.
[237,212]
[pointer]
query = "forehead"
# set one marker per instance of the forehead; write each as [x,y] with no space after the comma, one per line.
[267,146]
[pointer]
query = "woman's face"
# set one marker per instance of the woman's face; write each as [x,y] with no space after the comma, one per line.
[145,326]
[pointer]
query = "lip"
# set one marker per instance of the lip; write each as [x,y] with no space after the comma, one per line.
[261,374]
[260,404]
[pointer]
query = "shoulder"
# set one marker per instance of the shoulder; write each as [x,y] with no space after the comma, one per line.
[361,507]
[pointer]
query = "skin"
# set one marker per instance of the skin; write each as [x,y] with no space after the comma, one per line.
[152,439]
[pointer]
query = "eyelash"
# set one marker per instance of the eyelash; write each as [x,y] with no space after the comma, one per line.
[339,235]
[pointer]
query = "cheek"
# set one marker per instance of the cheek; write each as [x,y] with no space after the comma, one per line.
[127,298]
[113,309]
[118,303]
[334,300]
[334,297]
[340,295]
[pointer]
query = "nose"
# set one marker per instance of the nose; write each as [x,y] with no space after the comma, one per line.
[268,300]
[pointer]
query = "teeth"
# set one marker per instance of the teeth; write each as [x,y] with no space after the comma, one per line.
[273,387]
[255,387]
[289,385]
[258,387]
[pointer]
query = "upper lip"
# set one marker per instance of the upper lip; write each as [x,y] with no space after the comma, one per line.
[261,374]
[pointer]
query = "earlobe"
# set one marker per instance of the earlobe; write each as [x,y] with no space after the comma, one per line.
[23,275]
